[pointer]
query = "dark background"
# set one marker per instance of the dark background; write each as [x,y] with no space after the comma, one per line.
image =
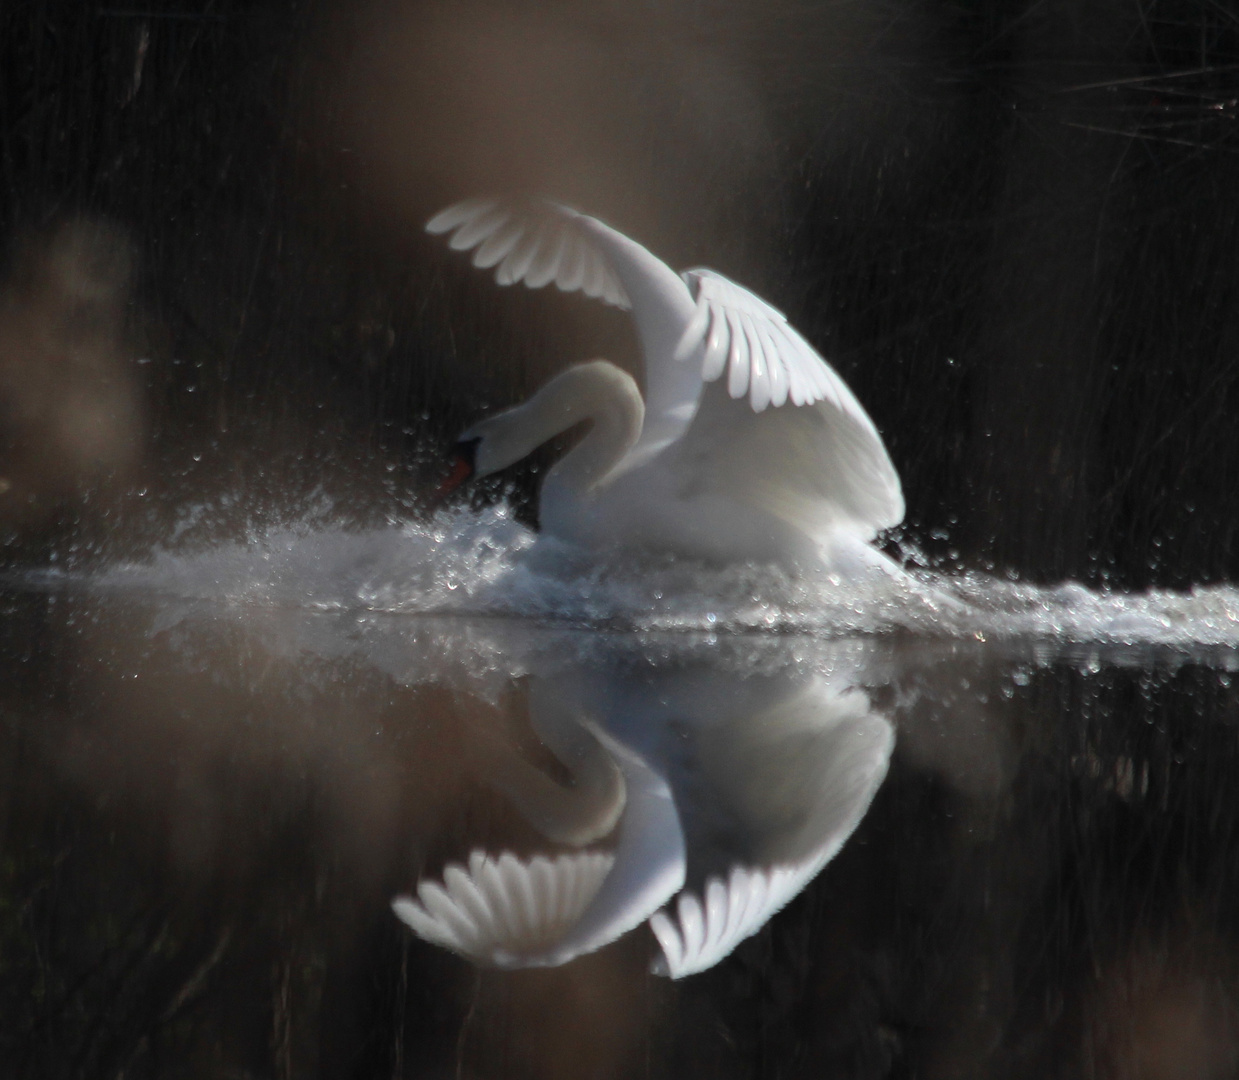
[1011,226]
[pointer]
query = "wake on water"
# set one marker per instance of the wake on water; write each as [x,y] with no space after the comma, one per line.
[464,562]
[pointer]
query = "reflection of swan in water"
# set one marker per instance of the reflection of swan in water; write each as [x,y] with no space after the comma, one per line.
[741,788]
[541,912]
[797,473]
[513,912]
[775,799]
[727,770]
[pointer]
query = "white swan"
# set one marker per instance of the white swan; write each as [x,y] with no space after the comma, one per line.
[777,462]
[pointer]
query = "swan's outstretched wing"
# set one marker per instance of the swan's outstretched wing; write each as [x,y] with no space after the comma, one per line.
[735,332]
[816,466]
[534,242]
[538,242]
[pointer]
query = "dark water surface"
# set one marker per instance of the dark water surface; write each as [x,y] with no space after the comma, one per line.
[208,809]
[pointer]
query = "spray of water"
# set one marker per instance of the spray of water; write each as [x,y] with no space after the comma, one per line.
[465,562]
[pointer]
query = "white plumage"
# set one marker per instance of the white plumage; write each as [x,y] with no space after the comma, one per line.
[536,243]
[510,912]
[697,936]
[799,475]
[814,759]
[505,911]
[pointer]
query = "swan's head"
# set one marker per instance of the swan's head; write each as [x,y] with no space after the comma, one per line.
[596,390]
[480,451]
[464,465]
[493,444]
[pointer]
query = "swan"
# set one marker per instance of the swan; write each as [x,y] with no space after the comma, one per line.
[746,445]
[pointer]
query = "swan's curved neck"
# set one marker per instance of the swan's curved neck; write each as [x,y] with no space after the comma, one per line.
[596,391]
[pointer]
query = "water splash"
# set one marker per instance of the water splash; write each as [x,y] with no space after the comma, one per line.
[464,562]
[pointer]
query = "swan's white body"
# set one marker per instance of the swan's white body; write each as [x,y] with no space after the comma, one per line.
[777,462]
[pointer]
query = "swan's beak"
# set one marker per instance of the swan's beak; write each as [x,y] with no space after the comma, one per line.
[462,469]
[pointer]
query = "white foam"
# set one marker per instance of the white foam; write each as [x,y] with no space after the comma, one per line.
[485,563]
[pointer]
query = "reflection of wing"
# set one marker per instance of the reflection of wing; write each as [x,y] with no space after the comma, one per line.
[545,912]
[798,777]
[500,910]
[700,936]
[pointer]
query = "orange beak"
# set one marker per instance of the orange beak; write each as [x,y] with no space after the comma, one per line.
[462,469]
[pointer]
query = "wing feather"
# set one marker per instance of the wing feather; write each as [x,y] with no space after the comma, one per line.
[546,262]
[779,370]
[495,247]
[737,356]
[594,281]
[457,214]
[780,364]
[715,361]
[518,262]
[479,228]
[535,243]
[794,383]
[759,365]
[505,911]
[572,270]
[716,914]
[439,904]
